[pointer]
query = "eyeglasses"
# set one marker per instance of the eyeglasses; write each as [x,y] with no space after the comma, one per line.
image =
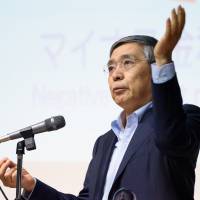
[124,63]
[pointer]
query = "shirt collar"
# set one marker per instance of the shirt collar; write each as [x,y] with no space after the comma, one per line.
[117,126]
[140,111]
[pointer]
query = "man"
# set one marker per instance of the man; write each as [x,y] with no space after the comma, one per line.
[152,147]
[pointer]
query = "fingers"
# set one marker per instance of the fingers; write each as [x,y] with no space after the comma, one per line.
[174,22]
[2,161]
[168,28]
[181,18]
[3,167]
[177,22]
[7,172]
[10,177]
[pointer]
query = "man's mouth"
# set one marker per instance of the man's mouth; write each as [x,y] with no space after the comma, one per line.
[119,89]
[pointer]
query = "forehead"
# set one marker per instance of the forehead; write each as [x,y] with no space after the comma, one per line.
[132,48]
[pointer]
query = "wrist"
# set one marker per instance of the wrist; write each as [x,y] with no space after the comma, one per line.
[163,60]
[30,185]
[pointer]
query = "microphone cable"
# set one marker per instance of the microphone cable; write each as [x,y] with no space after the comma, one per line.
[3,193]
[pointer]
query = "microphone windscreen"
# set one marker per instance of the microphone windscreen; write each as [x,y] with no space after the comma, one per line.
[55,123]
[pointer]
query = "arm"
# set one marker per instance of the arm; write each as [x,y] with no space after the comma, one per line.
[176,128]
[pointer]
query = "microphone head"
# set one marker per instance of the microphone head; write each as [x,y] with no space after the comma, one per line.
[124,194]
[55,123]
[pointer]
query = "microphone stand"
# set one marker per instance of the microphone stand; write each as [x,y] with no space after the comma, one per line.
[29,143]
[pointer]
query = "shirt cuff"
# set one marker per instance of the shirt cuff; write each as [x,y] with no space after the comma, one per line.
[26,195]
[163,73]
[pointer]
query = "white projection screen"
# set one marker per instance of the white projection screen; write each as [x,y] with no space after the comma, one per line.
[52,55]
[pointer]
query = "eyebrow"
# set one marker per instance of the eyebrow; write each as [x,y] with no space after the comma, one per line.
[124,56]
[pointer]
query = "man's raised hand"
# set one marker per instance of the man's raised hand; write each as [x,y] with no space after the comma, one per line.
[174,28]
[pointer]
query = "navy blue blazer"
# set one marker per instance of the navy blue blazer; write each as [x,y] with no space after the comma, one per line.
[160,160]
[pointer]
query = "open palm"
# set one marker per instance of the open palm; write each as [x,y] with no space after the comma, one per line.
[174,27]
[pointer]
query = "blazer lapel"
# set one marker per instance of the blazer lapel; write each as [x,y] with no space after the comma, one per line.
[106,153]
[143,130]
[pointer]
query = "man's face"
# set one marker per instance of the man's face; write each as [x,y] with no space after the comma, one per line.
[130,88]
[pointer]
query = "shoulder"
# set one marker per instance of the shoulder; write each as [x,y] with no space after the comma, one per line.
[106,137]
[190,108]
[192,113]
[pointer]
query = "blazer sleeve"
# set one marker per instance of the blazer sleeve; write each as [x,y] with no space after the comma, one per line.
[43,191]
[177,127]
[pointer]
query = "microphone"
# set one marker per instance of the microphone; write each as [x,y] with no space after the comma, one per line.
[50,124]
[124,194]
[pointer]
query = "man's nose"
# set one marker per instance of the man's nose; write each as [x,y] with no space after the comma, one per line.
[118,73]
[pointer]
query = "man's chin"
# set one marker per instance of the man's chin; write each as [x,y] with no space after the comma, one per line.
[120,101]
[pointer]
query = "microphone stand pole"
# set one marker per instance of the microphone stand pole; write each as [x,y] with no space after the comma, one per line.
[29,143]
[19,152]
